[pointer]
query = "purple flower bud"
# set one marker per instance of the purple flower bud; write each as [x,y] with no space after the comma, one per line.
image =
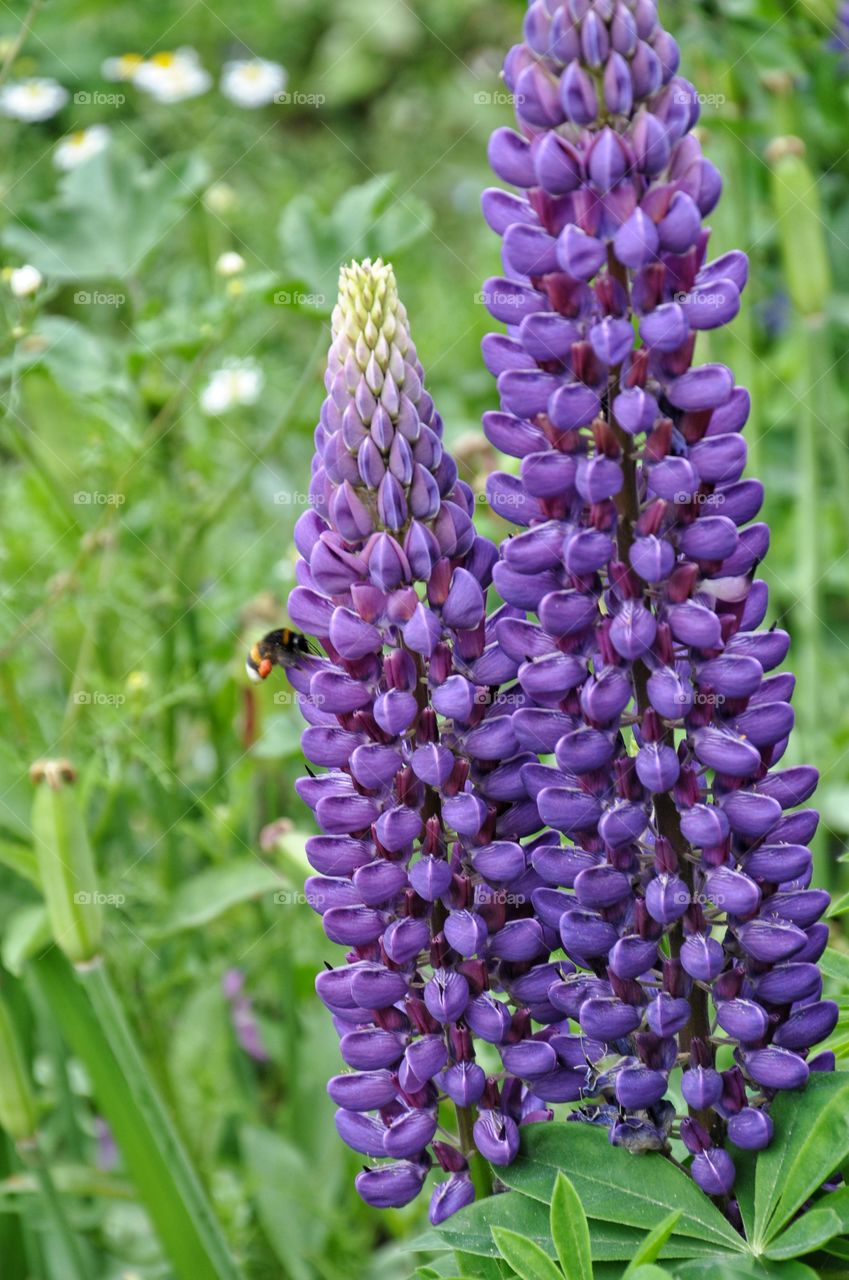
[450,1196]
[702,957]
[714,1171]
[744,1020]
[751,1129]
[701,1087]
[446,995]
[391,1186]
[608,1019]
[362,1090]
[639,1087]
[496,1137]
[409,1133]
[463,1082]
[775,1068]
[807,1026]
[488,1018]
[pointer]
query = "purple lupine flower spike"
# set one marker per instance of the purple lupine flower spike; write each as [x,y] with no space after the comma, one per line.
[666,824]
[420,872]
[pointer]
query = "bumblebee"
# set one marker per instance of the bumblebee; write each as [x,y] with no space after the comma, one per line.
[280,648]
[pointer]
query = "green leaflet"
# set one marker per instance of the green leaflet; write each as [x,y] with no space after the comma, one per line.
[652,1246]
[570,1231]
[811,1140]
[615,1186]
[525,1257]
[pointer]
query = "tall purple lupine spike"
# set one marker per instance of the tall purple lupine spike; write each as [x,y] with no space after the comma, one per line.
[419,872]
[682,882]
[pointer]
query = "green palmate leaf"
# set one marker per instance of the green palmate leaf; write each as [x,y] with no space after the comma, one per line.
[615,1186]
[651,1247]
[811,1140]
[210,893]
[648,1271]
[525,1257]
[835,965]
[107,217]
[839,907]
[472,1265]
[725,1268]
[827,1219]
[470,1230]
[570,1232]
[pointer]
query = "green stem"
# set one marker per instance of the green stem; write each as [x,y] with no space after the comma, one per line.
[93,1022]
[33,1157]
[808,609]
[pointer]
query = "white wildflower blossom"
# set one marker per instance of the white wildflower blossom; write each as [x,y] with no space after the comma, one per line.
[232,385]
[37,98]
[24,281]
[252,82]
[229,264]
[80,146]
[122,69]
[173,77]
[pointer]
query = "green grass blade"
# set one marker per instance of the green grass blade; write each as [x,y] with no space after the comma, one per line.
[95,1026]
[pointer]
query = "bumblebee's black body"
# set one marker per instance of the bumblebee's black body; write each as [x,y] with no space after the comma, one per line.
[280,648]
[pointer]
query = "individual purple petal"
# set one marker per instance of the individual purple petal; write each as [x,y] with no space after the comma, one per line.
[390,1186]
[496,1137]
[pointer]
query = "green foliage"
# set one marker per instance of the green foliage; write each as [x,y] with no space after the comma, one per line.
[146,543]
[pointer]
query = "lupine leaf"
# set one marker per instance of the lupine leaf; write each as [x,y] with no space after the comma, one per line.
[835,964]
[525,1257]
[726,1268]
[827,1219]
[811,1140]
[470,1230]
[651,1247]
[570,1232]
[615,1186]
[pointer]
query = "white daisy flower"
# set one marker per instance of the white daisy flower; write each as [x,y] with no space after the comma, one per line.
[229,264]
[80,146]
[173,77]
[24,281]
[232,385]
[123,68]
[252,82]
[37,98]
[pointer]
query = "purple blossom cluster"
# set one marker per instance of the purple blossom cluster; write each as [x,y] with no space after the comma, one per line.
[681,891]
[557,842]
[419,872]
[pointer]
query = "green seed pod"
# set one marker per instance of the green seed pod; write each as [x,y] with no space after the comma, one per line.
[800,226]
[18,1114]
[65,862]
